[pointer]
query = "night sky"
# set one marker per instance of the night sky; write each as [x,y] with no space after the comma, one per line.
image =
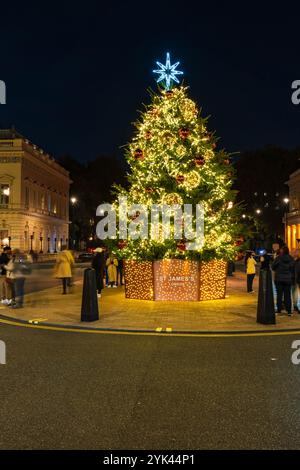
[76,74]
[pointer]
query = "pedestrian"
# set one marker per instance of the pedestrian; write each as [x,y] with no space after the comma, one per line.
[296,282]
[4,259]
[120,272]
[98,264]
[250,264]
[284,267]
[16,271]
[63,267]
[112,264]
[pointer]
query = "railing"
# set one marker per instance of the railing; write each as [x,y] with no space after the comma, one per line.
[26,207]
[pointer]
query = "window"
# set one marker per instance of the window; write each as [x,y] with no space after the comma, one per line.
[26,197]
[5,193]
[43,201]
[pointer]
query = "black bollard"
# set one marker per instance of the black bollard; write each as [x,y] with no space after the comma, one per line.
[265,305]
[89,305]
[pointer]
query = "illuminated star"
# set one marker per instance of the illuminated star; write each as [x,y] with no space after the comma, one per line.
[168,72]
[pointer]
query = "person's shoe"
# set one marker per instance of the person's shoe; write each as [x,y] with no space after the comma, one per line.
[115,286]
[99,296]
[289,314]
[5,301]
[251,292]
[109,286]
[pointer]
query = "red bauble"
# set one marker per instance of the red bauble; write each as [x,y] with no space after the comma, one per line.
[122,244]
[227,161]
[181,246]
[169,93]
[139,154]
[214,145]
[134,216]
[148,135]
[199,161]
[180,179]
[184,132]
[149,190]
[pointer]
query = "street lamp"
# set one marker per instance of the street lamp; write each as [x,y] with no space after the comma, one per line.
[286,202]
[258,211]
[73,201]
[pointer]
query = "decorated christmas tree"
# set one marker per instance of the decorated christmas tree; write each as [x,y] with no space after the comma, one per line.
[174,160]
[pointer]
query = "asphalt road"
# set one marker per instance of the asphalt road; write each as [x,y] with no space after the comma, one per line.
[62,390]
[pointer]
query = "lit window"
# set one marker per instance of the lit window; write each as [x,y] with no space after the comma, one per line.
[5,193]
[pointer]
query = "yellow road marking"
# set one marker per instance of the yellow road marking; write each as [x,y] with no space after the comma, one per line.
[37,320]
[158,330]
[168,330]
[149,333]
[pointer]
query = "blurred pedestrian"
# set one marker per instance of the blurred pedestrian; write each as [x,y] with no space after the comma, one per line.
[250,265]
[16,271]
[112,264]
[4,259]
[98,264]
[63,267]
[296,282]
[284,267]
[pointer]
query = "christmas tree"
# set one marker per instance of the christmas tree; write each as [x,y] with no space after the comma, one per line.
[173,159]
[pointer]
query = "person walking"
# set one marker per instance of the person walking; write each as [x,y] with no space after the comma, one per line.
[296,282]
[63,268]
[98,264]
[112,264]
[16,271]
[4,259]
[250,264]
[284,267]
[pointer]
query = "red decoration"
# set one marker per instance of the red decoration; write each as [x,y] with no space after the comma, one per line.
[181,246]
[199,161]
[149,190]
[122,244]
[180,179]
[227,161]
[148,135]
[169,93]
[139,154]
[134,216]
[184,132]
[214,145]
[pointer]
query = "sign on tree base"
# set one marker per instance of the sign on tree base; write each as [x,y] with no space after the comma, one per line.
[174,279]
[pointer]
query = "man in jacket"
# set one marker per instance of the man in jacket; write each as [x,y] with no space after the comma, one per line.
[284,267]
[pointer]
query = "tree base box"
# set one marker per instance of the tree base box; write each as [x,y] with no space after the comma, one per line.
[174,279]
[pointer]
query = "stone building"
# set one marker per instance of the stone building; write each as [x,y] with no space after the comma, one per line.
[34,196]
[292,217]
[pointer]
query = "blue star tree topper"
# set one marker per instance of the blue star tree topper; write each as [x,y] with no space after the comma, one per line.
[168,72]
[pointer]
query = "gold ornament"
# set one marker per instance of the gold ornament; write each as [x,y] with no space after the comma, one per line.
[172,198]
[192,179]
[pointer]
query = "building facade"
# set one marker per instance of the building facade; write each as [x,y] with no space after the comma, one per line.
[34,196]
[292,217]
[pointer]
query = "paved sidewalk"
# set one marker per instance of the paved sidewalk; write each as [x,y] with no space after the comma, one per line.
[235,313]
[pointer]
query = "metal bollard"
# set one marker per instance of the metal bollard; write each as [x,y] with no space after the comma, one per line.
[89,305]
[265,305]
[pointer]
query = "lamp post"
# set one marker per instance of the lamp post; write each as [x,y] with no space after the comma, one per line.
[41,243]
[31,242]
[48,240]
[73,201]
[9,241]
[55,242]
[286,203]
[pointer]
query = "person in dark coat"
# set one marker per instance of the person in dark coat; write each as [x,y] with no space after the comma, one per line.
[98,264]
[284,267]
[296,284]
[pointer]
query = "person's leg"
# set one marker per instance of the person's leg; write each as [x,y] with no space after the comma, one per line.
[252,276]
[287,298]
[64,284]
[279,290]
[295,296]
[248,282]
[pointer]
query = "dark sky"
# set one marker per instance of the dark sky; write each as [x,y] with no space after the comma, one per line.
[77,72]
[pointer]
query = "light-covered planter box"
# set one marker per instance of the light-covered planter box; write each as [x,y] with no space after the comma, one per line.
[174,279]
